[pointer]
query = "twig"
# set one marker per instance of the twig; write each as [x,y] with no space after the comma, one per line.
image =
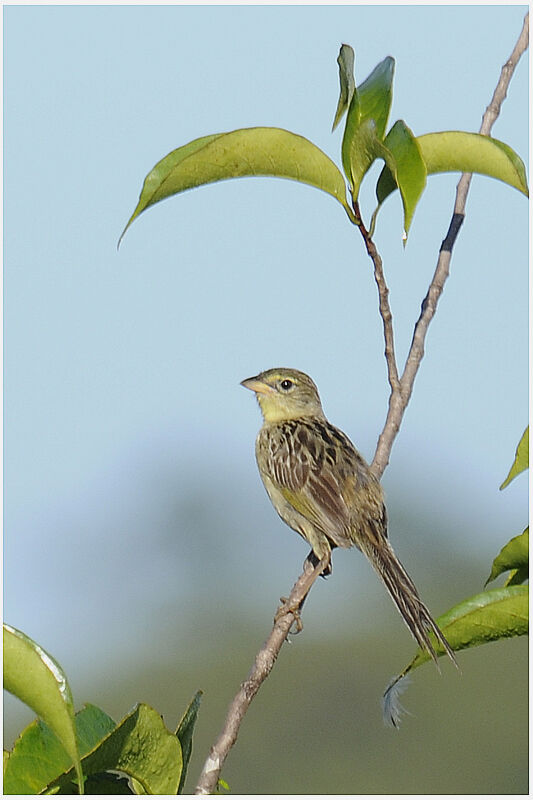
[395,413]
[399,397]
[401,389]
[384,307]
[264,661]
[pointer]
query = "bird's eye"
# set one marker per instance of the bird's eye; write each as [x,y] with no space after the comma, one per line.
[286,385]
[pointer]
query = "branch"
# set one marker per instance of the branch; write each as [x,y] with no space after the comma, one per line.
[399,397]
[384,307]
[287,614]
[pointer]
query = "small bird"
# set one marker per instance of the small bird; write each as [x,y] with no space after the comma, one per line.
[323,489]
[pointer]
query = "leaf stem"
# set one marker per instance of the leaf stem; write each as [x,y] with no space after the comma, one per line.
[384,306]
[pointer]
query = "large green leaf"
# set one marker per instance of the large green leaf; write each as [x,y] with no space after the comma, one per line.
[141,747]
[38,757]
[36,678]
[448,151]
[246,152]
[345,60]
[513,556]
[457,151]
[490,615]
[486,617]
[410,176]
[521,460]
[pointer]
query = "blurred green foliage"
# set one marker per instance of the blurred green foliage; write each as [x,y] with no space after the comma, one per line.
[316,725]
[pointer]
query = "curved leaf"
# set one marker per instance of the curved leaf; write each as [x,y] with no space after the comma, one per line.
[458,151]
[141,747]
[246,152]
[365,124]
[38,758]
[351,129]
[486,617]
[513,556]
[375,95]
[365,148]
[345,60]
[410,175]
[184,733]
[521,460]
[32,675]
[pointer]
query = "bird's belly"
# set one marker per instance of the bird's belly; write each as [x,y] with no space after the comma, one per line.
[320,542]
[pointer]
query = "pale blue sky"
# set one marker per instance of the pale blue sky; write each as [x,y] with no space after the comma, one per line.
[122,369]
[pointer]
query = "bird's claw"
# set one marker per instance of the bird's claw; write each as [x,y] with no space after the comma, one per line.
[287,608]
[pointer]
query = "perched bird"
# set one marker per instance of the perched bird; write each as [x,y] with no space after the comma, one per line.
[324,490]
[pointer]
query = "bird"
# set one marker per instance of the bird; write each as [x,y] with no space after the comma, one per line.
[323,488]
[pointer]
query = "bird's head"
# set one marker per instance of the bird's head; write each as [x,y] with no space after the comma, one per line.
[285,394]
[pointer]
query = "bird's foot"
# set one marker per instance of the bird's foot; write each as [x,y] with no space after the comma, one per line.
[287,608]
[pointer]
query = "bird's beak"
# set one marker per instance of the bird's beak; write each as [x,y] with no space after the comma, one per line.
[256,385]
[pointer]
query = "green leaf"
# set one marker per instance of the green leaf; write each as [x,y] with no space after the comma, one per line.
[375,95]
[365,147]
[248,152]
[513,556]
[457,151]
[92,725]
[38,757]
[32,675]
[410,172]
[486,617]
[141,747]
[184,733]
[521,460]
[365,125]
[345,60]
[350,130]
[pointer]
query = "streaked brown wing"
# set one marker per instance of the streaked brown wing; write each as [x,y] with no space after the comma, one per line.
[303,462]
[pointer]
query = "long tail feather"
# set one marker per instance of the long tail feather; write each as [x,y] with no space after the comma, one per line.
[405,595]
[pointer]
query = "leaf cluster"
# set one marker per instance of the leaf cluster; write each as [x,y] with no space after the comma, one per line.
[275,152]
[66,753]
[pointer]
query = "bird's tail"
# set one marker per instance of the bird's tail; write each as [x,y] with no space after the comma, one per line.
[405,595]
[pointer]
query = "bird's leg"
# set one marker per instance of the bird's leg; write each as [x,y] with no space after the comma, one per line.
[314,561]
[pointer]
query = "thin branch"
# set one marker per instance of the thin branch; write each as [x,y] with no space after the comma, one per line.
[399,398]
[265,659]
[401,389]
[384,307]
